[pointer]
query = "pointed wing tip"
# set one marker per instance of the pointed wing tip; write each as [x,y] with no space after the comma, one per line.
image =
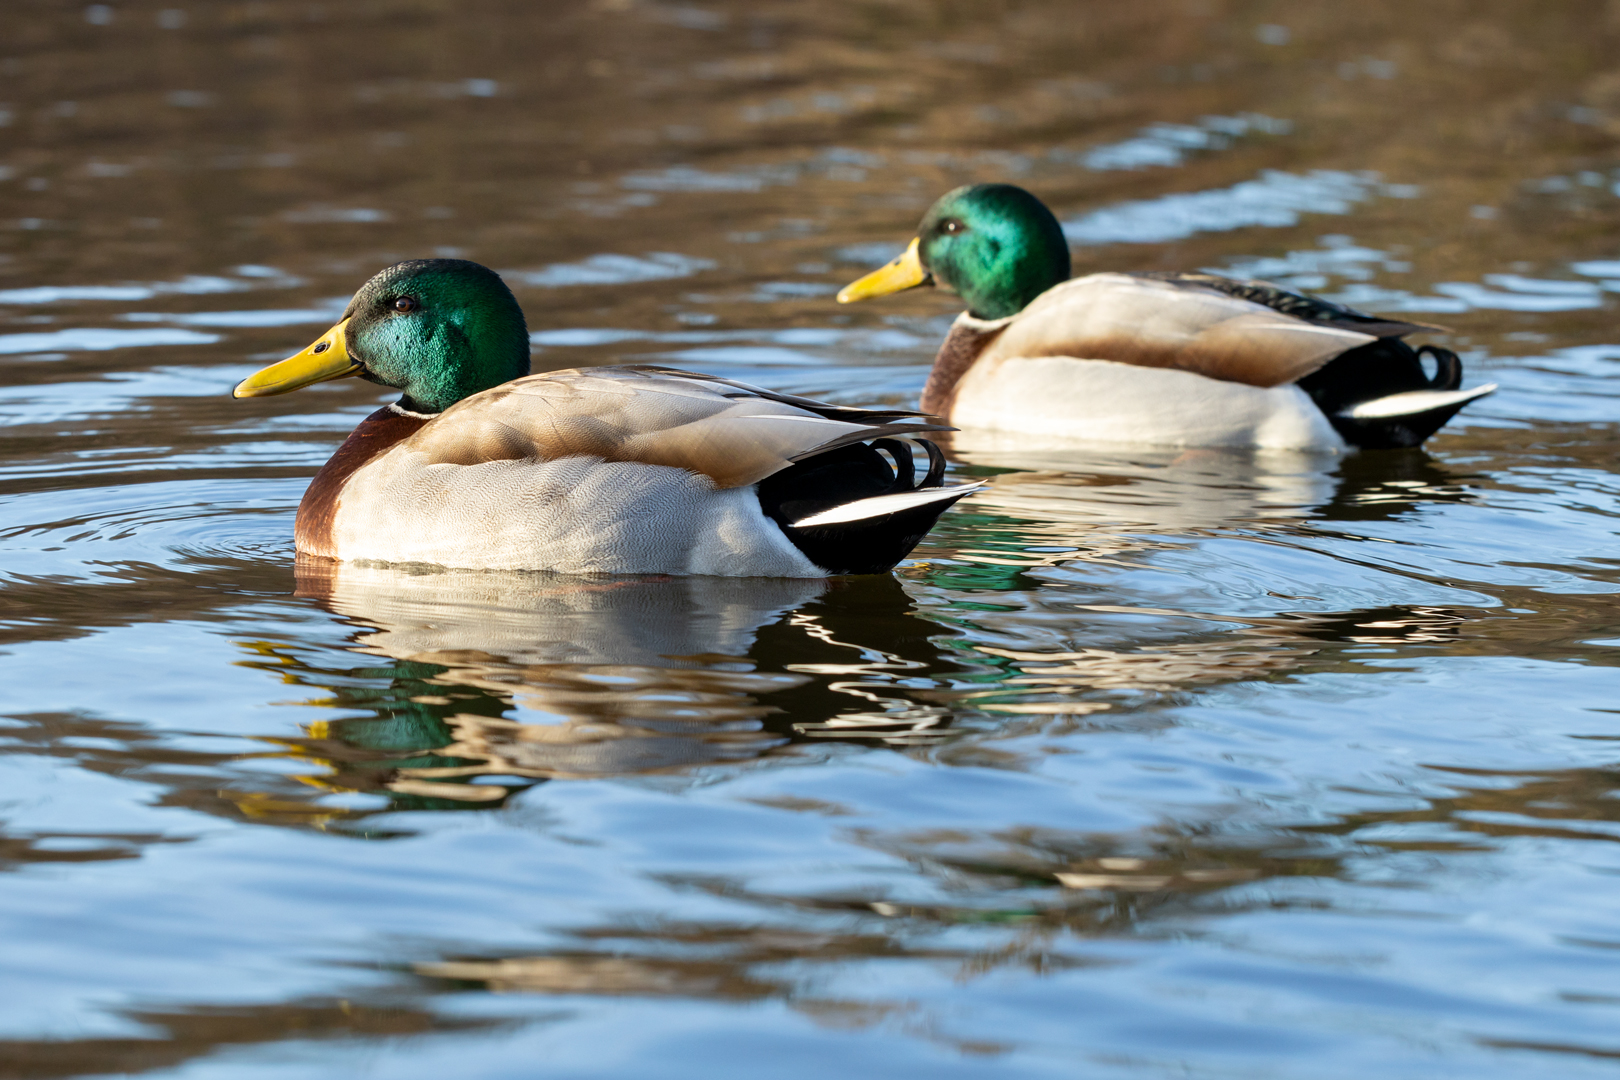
[1392,328]
[878,505]
[1414,403]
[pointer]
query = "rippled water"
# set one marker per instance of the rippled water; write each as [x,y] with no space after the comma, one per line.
[1148,764]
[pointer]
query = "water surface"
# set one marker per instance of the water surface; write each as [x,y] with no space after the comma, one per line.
[1148,764]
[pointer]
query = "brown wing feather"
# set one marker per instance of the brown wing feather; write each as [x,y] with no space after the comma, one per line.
[1152,323]
[735,388]
[1300,305]
[730,432]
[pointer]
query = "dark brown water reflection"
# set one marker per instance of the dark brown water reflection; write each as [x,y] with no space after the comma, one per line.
[1149,764]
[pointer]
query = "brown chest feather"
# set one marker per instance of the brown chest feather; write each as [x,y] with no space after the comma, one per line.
[376,433]
[961,348]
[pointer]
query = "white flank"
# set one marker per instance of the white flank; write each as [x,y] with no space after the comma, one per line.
[1414,402]
[1062,400]
[574,515]
[879,505]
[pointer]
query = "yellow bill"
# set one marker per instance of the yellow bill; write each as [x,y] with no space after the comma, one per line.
[327,359]
[904,273]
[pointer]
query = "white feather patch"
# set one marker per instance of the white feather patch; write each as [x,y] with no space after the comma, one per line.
[879,505]
[1063,400]
[577,515]
[1413,402]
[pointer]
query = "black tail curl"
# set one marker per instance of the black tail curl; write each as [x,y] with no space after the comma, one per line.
[1447,367]
[905,471]
[1378,369]
[843,475]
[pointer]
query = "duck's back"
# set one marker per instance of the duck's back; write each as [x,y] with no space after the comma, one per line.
[1151,322]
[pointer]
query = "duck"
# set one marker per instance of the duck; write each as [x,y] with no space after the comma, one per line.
[613,470]
[1167,358]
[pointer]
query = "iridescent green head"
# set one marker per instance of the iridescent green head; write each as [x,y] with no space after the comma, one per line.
[438,329]
[995,245]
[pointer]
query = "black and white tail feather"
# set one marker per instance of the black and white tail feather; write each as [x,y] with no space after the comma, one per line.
[853,504]
[1378,396]
[860,508]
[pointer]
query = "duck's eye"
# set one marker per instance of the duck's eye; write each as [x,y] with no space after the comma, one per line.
[405,304]
[951,225]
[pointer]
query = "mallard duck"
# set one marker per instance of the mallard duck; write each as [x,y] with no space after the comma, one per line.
[1165,358]
[629,470]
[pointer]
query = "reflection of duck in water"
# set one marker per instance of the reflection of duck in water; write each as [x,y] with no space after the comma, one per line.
[606,470]
[1171,359]
[630,675]
[536,619]
[638,674]
[1054,506]
[1386,486]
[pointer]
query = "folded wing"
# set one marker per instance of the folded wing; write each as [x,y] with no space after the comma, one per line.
[733,433]
[1160,323]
